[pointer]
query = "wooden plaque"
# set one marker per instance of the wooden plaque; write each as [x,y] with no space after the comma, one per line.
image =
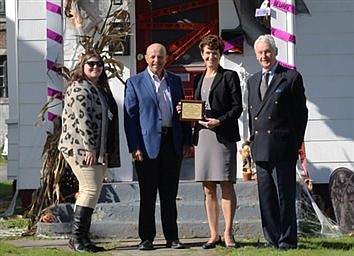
[192,110]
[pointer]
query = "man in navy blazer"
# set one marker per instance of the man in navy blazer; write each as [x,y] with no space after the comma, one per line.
[277,123]
[158,141]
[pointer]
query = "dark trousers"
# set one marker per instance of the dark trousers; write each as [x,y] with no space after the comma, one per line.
[277,195]
[160,174]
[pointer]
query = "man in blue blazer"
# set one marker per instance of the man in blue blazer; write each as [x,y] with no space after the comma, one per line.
[158,141]
[277,123]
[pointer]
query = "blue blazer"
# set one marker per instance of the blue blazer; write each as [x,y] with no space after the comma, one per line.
[142,116]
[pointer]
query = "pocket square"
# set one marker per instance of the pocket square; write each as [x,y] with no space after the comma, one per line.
[279,90]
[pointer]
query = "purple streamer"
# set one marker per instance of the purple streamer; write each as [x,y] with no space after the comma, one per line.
[285,36]
[53,92]
[230,44]
[283,6]
[53,8]
[51,66]
[54,36]
[286,65]
[51,116]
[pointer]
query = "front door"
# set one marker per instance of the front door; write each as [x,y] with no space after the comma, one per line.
[179,25]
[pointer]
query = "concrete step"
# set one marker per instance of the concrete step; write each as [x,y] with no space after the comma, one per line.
[188,191]
[130,211]
[116,214]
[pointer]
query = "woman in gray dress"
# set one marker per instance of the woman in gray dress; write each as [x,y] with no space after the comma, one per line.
[215,138]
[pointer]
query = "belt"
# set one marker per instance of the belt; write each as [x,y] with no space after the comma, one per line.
[166,130]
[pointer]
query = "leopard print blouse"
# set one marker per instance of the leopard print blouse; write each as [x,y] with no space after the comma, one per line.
[82,121]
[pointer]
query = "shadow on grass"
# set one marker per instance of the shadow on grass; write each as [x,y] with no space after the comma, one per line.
[254,244]
[156,246]
[308,243]
[341,243]
[337,245]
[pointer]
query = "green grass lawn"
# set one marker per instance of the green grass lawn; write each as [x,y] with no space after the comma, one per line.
[5,189]
[314,246]
[9,250]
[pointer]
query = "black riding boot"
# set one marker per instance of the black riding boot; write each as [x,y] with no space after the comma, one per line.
[80,228]
[87,241]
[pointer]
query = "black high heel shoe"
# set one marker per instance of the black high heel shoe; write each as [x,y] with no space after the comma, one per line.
[211,245]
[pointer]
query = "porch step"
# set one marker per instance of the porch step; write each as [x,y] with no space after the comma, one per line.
[116,214]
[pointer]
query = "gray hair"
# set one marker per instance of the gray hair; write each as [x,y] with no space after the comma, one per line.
[267,39]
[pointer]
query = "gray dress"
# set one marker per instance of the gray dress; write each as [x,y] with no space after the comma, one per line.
[213,161]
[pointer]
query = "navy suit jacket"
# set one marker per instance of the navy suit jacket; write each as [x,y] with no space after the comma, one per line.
[277,124]
[142,116]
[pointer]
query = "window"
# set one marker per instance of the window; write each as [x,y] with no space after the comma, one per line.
[3,76]
[2,9]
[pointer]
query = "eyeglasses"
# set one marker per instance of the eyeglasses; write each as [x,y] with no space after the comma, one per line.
[98,63]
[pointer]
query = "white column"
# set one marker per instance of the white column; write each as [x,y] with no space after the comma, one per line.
[282,29]
[54,55]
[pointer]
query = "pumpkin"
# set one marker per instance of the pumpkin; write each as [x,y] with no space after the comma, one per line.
[48,218]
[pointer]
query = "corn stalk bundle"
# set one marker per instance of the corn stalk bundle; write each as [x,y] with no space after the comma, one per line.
[106,41]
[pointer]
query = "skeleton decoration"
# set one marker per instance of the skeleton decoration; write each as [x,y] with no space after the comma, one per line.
[341,185]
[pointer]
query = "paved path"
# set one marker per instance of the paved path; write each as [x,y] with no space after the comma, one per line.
[124,247]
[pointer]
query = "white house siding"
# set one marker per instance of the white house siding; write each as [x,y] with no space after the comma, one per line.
[324,55]
[31,78]
[27,89]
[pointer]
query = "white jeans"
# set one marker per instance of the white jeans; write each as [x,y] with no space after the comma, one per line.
[90,182]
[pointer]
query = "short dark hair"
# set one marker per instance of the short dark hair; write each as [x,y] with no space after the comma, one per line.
[214,42]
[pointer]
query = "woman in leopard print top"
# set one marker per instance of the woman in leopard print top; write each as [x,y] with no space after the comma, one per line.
[89,117]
